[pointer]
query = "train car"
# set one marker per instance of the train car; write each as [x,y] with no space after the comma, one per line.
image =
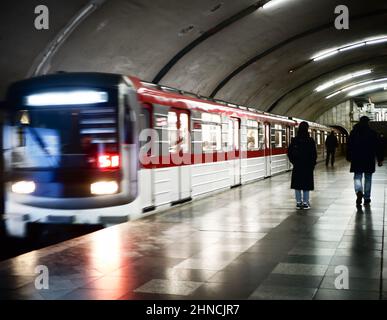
[320,133]
[106,148]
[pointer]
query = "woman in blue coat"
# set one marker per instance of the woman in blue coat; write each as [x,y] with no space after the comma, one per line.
[302,154]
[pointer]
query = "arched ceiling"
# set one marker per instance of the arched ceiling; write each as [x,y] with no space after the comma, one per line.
[232,50]
[379,98]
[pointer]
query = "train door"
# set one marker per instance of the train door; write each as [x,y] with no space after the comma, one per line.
[288,140]
[146,176]
[268,150]
[182,155]
[235,125]
[292,135]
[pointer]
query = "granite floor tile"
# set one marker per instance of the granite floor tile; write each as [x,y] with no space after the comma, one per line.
[307,259]
[266,292]
[367,272]
[354,284]
[328,294]
[161,286]
[300,269]
[293,281]
[92,294]
[223,291]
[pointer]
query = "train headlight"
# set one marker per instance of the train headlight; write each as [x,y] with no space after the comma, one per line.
[104,187]
[23,187]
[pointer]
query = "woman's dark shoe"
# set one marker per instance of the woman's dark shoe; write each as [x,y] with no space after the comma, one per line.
[367,201]
[306,205]
[359,198]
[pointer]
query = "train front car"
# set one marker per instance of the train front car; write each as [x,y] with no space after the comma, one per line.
[70,149]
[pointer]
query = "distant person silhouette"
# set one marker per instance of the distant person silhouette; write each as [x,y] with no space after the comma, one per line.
[363,148]
[383,142]
[302,154]
[331,145]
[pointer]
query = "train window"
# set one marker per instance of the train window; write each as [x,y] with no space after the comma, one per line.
[318,138]
[261,135]
[313,134]
[144,119]
[230,135]
[24,120]
[184,132]
[129,132]
[277,136]
[292,132]
[252,135]
[284,138]
[209,117]
[172,131]
[233,133]
[211,132]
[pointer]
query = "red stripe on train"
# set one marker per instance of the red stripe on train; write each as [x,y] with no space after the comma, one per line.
[175,160]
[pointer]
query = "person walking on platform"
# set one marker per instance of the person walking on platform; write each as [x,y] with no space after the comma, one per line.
[363,148]
[302,154]
[331,145]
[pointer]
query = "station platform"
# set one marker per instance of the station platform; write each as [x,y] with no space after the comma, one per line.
[245,243]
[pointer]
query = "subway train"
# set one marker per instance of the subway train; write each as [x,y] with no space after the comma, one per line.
[93,148]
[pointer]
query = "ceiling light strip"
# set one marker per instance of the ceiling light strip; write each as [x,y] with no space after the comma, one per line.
[342,79]
[350,46]
[365,83]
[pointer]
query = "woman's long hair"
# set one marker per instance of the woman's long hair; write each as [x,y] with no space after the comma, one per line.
[303,130]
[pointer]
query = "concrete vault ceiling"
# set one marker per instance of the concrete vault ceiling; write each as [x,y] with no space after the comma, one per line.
[231,50]
[379,98]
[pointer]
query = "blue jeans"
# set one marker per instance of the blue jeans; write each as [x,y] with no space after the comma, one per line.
[304,198]
[358,180]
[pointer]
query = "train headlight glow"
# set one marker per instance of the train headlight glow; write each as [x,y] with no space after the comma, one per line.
[104,187]
[23,187]
[66,98]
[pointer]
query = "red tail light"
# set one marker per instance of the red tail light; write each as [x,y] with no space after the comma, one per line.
[107,161]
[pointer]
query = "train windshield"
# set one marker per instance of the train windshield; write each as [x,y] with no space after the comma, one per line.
[65,137]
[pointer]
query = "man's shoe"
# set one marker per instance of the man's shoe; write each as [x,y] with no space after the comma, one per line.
[299,206]
[359,198]
[367,201]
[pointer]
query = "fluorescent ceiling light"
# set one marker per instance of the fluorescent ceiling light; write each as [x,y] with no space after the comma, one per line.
[364,84]
[342,79]
[368,89]
[66,98]
[326,55]
[376,41]
[353,46]
[333,94]
[349,46]
[273,3]
[361,84]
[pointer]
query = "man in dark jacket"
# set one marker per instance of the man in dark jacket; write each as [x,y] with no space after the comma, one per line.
[363,149]
[331,145]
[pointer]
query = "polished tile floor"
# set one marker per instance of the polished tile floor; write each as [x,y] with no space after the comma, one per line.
[245,243]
